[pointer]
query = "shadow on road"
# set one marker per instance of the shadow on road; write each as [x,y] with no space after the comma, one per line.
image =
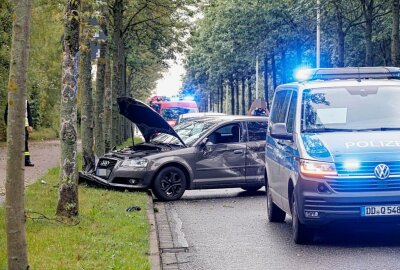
[347,235]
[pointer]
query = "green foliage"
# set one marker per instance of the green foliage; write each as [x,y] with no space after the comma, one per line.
[45,59]
[226,40]
[5,44]
[107,236]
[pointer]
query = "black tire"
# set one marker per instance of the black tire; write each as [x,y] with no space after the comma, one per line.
[251,188]
[169,184]
[302,234]
[274,213]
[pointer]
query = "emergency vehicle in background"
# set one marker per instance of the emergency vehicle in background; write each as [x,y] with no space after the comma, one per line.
[170,109]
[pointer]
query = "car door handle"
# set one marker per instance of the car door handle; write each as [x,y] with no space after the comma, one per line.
[238,152]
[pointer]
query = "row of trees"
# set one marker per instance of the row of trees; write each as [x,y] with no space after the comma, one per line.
[139,37]
[282,35]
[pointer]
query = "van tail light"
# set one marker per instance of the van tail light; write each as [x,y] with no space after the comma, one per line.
[316,168]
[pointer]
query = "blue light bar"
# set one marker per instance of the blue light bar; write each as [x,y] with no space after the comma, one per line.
[348,73]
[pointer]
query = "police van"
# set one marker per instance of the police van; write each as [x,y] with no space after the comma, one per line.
[333,149]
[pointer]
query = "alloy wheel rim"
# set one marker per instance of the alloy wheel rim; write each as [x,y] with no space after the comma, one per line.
[171,184]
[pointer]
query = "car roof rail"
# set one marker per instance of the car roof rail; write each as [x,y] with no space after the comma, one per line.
[357,73]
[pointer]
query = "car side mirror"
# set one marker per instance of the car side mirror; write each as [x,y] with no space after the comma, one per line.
[208,147]
[279,131]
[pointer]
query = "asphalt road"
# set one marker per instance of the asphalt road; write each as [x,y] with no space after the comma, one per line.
[228,229]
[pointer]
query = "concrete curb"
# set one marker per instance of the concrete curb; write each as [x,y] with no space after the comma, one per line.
[154,256]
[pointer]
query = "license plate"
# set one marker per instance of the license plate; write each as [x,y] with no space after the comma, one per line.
[386,210]
[101,172]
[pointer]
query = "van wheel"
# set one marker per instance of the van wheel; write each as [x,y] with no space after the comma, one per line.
[301,233]
[169,184]
[251,188]
[275,214]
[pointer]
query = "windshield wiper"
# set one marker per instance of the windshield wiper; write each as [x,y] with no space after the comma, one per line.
[321,130]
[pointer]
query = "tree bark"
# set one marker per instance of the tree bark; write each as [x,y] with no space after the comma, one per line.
[395,33]
[108,95]
[340,35]
[283,67]
[222,96]
[266,83]
[68,192]
[243,96]
[232,87]
[17,84]
[99,113]
[87,123]
[237,108]
[273,66]
[368,8]
[249,86]
[117,75]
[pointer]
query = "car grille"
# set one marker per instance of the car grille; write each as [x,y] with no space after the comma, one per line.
[105,167]
[364,180]
[367,168]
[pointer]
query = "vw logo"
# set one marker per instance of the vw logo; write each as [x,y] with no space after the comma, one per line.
[104,163]
[382,171]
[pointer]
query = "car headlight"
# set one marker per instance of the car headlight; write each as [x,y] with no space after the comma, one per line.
[317,168]
[136,163]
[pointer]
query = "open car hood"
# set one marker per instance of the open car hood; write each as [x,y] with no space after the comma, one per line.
[145,118]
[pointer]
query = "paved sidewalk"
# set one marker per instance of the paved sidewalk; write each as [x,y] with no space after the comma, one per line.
[171,243]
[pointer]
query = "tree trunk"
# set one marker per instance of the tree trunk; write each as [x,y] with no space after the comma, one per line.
[17,84]
[108,95]
[283,67]
[86,90]
[232,88]
[266,84]
[249,92]
[218,99]
[368,7]
[222,96]
[117,81]
[236,85]
[243,96]
[99,113]
[273,66]
[68,191]
[340,35]
[395,33]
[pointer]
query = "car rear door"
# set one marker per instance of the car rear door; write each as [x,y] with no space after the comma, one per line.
[255,154]
[222,161]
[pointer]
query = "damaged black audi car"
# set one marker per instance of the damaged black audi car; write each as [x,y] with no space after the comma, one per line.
[204,153]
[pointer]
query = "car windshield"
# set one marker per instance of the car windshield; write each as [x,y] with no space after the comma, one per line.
[189,132]
[351,109]
[174,112]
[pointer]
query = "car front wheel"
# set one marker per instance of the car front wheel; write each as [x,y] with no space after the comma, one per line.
[301,233]
[169,184]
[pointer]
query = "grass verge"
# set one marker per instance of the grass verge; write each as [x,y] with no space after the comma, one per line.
[43,134]
[106,237]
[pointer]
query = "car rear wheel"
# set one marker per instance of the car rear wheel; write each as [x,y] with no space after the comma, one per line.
[301,233]
[275,214]
[169,184]
[251,188]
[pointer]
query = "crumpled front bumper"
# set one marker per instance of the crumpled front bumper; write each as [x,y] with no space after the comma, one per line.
[141,183]
[86,176]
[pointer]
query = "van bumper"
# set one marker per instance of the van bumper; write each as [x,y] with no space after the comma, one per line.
[320,208]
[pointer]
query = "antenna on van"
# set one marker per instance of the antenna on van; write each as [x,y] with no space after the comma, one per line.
[359,75]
